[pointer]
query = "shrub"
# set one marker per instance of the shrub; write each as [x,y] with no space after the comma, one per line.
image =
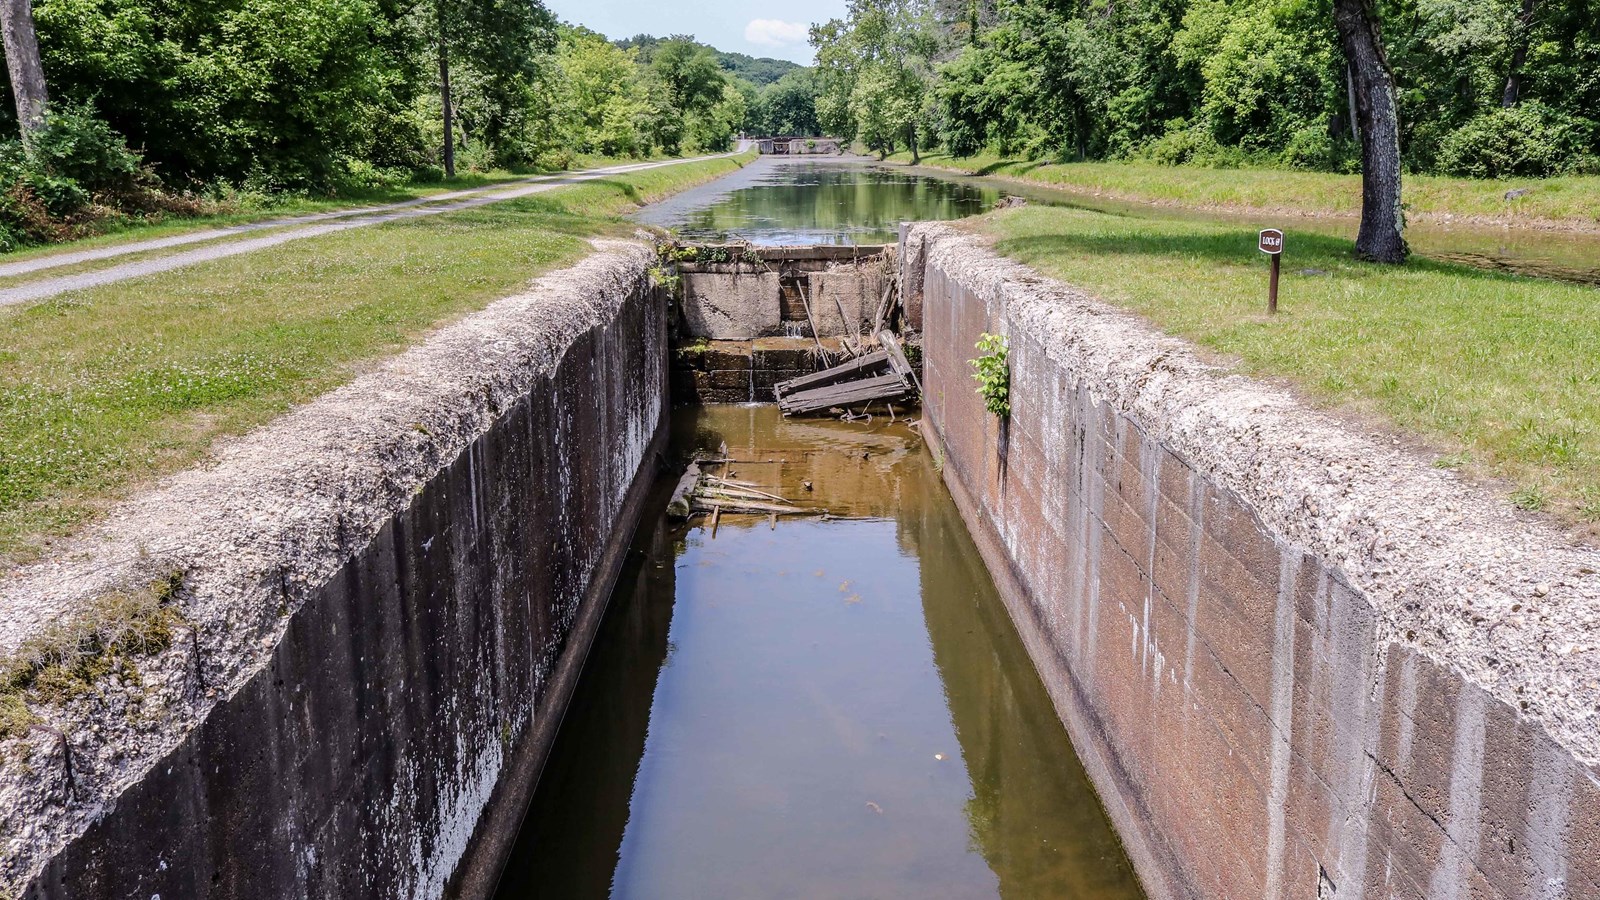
[1529,140]
[993,374]
[76,146]
[1313,148]
[1194,146]
[77,174]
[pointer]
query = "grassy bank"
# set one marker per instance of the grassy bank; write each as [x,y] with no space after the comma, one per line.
[245,208]
[105,389]
[1571,202]
[1497,372]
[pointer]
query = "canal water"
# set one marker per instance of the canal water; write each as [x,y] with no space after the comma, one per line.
[813,707]
[776,201]
[797,201]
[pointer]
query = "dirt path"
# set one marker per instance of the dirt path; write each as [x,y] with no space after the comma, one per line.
[284,230]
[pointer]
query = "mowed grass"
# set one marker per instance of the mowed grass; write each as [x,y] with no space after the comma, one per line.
[1500,374]
[1573,201]
[227,213]
[102,390]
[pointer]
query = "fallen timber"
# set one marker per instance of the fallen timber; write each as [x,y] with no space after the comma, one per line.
[882,375]
[699,492]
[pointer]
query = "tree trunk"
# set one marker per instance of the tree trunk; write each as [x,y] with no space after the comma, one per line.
[1519,54]
[1377,118]
[1350,99]
[444,96]
[22,61]
[911,141]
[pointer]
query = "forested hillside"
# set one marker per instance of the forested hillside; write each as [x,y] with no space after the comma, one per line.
[158,108]
[1483,87]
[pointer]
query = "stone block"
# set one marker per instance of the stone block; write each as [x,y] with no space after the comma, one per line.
[726,306]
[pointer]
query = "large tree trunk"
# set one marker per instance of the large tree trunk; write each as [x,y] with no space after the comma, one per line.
[1382,220]
[444,96]
[22,61]
[1519,54]
[911,141]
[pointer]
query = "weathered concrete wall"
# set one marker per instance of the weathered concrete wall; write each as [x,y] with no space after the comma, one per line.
[390,590]
[765,291]
[845,299]
[731,306]
[1298,662]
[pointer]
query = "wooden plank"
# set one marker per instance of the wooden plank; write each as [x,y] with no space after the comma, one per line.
[870,384]
[839,401]
[732,507]
[883,387]
[897,358]
[855,368]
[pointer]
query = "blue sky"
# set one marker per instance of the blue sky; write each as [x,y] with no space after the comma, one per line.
[773,28]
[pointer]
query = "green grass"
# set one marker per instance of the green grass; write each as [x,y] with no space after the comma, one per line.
[1497,372]
[225,213]
[102,390]
[1572,201]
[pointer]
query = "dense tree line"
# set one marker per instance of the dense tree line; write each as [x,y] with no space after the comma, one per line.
[155,105]
[1481,87]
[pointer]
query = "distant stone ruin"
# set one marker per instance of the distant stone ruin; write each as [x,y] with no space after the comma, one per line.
[800,146]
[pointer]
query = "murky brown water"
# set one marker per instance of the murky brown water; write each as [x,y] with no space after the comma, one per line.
[831,708]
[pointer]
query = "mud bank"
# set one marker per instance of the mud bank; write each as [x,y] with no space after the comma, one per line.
[383,600]
[1297,661]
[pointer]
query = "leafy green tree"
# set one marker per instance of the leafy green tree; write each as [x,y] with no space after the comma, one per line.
[288,89]
[696,88]
[788,106]
[501,44]
[602,102]
[876,71]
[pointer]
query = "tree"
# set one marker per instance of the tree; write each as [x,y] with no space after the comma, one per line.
[1520,38]
[1380,238]
[789,106]
[23,65]
[710,105]
[500,45]
[876,69]
[445,101]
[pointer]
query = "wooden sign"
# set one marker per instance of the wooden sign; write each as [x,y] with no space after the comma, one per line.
[1270,241]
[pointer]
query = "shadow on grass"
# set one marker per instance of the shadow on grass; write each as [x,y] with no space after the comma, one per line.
[1013,167]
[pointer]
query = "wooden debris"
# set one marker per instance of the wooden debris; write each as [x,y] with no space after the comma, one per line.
[883,374]
[700,492]
[679,506]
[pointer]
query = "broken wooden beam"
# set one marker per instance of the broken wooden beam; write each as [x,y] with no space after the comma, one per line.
[679,507]
[751,507]
[868,364]
[888,387]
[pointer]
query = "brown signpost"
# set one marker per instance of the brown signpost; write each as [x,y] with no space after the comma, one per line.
[1270,241]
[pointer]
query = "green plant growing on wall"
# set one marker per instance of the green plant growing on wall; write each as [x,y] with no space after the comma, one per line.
[993,374]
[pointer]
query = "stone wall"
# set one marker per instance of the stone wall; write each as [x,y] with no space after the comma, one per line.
[387,596]
[1296,659]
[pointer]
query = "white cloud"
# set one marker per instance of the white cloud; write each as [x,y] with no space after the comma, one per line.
[775,33]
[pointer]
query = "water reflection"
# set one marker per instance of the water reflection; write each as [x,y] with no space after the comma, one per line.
[777,201]
[825,709]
